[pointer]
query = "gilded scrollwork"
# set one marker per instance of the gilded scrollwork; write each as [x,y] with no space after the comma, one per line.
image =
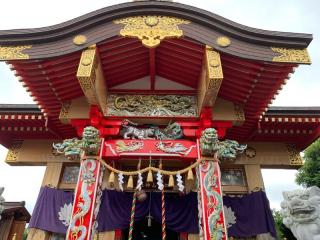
[151,105]
[291,55]
[13,152]
[14,52]
[294,155]
[151,30]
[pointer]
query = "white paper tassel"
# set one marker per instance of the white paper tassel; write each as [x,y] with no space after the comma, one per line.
[160,181]
[120,180]
[139,182]
[179,182]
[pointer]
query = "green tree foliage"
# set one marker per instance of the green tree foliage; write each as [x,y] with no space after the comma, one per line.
[25,234]
[282,231]
[309,174]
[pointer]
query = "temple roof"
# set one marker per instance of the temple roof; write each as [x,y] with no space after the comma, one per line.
[256,64]
[16,209]
[205,27]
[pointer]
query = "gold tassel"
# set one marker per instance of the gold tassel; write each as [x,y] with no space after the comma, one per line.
[190,174]
[149,177]
[130,183]
[171,181]
[111,178]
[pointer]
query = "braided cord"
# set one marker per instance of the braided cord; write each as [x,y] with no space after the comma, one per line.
[133,210]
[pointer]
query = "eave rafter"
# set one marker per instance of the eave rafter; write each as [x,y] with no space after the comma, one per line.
[210,79]
[91,79]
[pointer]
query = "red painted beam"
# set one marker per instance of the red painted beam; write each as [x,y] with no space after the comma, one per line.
[152,67]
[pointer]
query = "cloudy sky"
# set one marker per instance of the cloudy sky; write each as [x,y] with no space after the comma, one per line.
[22,183]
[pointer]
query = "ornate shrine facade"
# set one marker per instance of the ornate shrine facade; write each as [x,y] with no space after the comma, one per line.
[153,121]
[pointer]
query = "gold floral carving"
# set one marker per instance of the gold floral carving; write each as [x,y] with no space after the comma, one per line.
[239,114]
[294,155]
[223,41]
[151,30]
[14,52]
[250,152]
[64,112]
[290,55]
[13,152]
[79,40]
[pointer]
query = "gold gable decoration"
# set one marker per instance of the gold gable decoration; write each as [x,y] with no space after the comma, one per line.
[14,52]
[151,30]
[290,55]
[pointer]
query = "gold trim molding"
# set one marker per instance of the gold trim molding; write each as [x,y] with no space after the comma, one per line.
[290,55]
[14,52]
[294,155]
[151,30]
[13,152]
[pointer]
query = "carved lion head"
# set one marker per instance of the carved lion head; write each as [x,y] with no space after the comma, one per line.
[301,206]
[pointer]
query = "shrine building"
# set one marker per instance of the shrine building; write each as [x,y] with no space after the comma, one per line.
[153,120]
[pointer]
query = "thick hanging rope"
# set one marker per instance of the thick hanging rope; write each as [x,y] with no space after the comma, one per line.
[163,208]
[133,210]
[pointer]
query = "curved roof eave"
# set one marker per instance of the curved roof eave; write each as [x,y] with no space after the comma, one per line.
[196,15]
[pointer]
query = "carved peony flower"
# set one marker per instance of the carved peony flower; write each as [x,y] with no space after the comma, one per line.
[65,214]
[230,218]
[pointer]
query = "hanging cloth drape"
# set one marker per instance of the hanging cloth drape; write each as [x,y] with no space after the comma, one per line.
[250,214]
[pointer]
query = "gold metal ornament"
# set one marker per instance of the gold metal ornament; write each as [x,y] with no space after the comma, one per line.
[294,155]
[223,41]
[151,30]
[290,55]
[213,64]
[12,155]
[79,40]
[14,52]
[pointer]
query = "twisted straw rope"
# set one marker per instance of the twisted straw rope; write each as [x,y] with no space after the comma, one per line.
[154,169]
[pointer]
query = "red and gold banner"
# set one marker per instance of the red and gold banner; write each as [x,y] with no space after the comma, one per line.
[87,201]
[211,215]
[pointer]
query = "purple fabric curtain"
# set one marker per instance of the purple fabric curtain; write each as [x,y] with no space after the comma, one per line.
[252,212]
[181,211]
[253,215]
[45,214]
